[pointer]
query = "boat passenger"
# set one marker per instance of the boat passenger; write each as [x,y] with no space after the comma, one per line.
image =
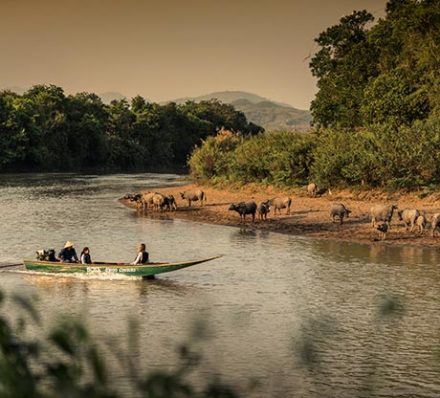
[142,256]
[85,257]
[68,254]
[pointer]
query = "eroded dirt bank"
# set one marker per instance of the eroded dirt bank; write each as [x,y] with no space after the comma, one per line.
[309,216]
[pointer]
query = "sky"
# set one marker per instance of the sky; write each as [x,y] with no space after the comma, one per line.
[168,49]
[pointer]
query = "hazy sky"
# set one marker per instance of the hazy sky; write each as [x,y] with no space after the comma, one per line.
[167,49]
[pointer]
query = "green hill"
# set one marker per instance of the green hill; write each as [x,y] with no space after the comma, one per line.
[259,110]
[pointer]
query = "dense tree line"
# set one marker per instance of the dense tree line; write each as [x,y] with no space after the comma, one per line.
[376,112]
[44,129]
[382,73]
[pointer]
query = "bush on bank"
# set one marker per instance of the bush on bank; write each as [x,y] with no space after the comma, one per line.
[383,155]
[281,158]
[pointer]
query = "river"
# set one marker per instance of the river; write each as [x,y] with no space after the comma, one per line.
[271,298]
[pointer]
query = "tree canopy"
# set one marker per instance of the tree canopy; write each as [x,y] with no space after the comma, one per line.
[44,129]
[387,72]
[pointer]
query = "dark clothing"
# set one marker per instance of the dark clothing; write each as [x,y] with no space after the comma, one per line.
[86,258]
[68,255]
[142,258]
[51,255]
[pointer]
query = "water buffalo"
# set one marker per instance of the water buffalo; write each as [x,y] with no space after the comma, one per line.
[132,196]
[421,223]
[383,230]
[170,203]
[159,201]
[263,209]
[382,213]
[340,211]
[193,196]
[409,217]
[145,200]
[280,203]
[435,223]
[244,208]
[312,190]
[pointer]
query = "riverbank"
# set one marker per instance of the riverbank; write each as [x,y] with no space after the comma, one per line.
[309,216]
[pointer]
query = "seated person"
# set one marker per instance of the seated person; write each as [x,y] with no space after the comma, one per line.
[85,257]
[68,254]
[51,255]
[142,256]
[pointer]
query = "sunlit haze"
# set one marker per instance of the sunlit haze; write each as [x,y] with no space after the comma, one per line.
[169,49]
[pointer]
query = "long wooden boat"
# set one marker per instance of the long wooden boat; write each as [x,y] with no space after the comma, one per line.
[144,270]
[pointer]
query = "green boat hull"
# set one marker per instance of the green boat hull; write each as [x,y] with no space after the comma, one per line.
[143,270]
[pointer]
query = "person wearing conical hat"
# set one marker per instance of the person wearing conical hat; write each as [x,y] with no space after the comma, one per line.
[68,253]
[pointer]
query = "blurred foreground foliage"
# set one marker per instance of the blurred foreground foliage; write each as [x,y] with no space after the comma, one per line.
[67,363]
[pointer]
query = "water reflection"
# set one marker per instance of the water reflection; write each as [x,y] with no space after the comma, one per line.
[269,293]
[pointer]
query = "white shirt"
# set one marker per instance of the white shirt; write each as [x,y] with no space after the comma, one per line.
[138,258]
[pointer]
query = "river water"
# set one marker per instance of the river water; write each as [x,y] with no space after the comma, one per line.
[303,317]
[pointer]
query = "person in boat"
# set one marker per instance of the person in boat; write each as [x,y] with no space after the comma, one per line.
[142,256]
[85,257]
[68,254]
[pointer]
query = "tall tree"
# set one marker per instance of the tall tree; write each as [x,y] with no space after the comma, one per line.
[343,66]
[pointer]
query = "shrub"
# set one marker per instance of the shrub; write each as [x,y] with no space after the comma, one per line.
[276,158]
[344,157]
[213,157]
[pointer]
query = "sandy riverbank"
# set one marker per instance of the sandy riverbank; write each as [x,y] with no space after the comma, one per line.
[309,216]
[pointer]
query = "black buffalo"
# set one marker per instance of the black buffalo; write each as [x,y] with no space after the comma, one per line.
[244,208]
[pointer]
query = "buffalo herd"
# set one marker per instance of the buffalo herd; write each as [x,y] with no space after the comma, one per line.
[380,214]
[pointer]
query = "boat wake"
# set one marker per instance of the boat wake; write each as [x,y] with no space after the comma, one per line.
[81,275]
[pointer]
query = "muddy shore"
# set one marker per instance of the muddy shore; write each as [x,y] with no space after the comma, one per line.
[309,216]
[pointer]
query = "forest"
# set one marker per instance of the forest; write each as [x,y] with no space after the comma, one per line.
[46,130]
[376,115]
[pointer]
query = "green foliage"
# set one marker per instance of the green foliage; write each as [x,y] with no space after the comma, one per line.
[46,130]
[343,66]
[276,158]
[67,363]
[215,156]
[343,158]
[378,156]
[383,73]
[391,99]
[406,157]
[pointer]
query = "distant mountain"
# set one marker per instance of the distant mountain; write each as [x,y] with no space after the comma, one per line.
[227,97]
[109,96]
[259,110]
[273,116]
